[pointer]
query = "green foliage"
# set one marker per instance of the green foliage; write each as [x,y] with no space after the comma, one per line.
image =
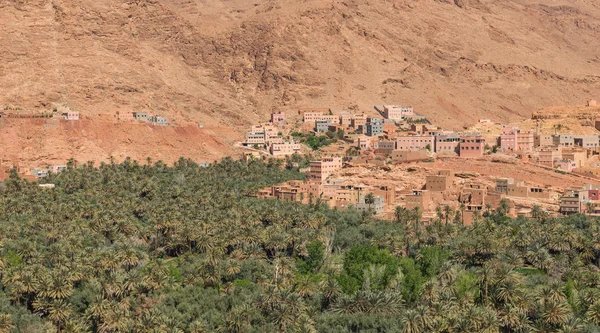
[359,259]
[313,260]
[412,278]
[157,248]
[431,260]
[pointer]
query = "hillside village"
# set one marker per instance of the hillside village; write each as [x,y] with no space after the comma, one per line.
[400,138]
[399,159]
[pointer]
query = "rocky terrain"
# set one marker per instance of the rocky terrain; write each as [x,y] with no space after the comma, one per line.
[227,63]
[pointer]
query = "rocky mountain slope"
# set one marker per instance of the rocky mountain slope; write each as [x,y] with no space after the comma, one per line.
[231,62]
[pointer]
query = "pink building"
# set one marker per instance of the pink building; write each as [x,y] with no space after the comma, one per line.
[513,139]
[278,117]
[286,148]
[321,170]
[471,146]
[566,165]
[415,142]
[396,112]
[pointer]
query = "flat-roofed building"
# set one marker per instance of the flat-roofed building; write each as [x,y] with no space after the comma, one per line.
[322,125]
[278,117]
[471,146]
[563,140]
[415,142]
[141,116]
[447,143]
[397,112]
[255,138]
[513,139]
[543,140]
[384,147]
[418,198]
[406,156]
[548,156]
[439,182]
[587,141]
[374,126]
[286,148]
[572,201]
[577,155]
[358,122]
[311,117]
[321,170]
[377,207]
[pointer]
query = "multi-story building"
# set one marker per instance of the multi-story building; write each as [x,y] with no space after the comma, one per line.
[418,198]
[563,140]
[471,146]
[321,170]
[311,117]
[447,143]
[513,139]
[322,125]
[358,122]
[517,188]
[542,140]
[374,126]
[377,206]
[548,156]
[439,182]
[573,201]
[587,141]
[566,165]
[397,112]
[255,138]
[384,147]
[415,142]
[346,118]
[286,148]
[577,155]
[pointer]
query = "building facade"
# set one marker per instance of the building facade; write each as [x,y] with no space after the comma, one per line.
[415,142]
[321,170]
[471,146]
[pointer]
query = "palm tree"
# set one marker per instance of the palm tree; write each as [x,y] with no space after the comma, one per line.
[593,313]
[537,212]
[447,212]
[369,200]
[590,208]
[6,323]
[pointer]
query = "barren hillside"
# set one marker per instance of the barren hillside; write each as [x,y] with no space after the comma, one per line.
[230,62]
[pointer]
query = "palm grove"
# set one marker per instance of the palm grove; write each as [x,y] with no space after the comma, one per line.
[156,248]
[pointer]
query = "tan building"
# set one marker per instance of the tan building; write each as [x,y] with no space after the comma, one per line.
[439,182]
[409,156]
[321,170]
[311,117]
[577,155]
[543,140]
[396,112]
[548,156]
[286,148]
[418,198]
[572,201]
